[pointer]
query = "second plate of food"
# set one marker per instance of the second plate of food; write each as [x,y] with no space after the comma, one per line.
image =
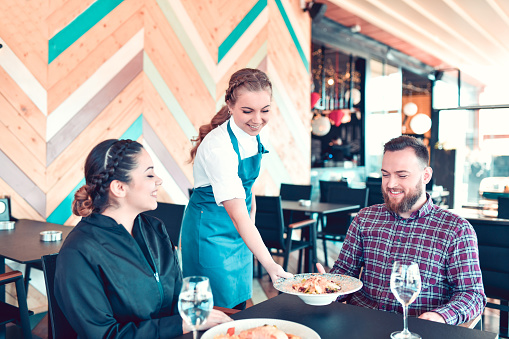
[290,329]
[318,288]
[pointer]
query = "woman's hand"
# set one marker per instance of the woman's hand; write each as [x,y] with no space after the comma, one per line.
[320,268]
[275,272]
[215,318]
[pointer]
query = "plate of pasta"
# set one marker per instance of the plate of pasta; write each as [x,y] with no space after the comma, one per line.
[260,328]
[318,288]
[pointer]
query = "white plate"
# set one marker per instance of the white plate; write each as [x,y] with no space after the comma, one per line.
[348,285]
[240,325]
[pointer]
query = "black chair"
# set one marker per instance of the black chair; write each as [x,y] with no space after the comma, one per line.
[10,313]
[326,186]
[337,223]
[269,221]
[293,192]
[492,237]
[503,208]
[171,215]
[58,325]
[375,192]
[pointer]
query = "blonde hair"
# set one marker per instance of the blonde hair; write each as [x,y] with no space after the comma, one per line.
[250,79]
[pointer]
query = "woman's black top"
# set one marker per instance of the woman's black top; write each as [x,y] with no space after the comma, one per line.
[111,284]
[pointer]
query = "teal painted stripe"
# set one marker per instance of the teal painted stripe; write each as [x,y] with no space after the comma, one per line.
[64,210]
[79,26]
[240,29]
[169,99]
[292,34]
[191,51]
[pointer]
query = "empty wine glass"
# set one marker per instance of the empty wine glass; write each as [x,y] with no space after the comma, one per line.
[195,301]
[406,286]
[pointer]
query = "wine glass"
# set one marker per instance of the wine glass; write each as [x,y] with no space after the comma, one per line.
[406,286]
[195,301]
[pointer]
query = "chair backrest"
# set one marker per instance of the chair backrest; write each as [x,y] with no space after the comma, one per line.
[59,327]
[503,207]
[347,195]
[171,215]
[293,192]
[326,186]
[492,237]
[375,193]
[269,221]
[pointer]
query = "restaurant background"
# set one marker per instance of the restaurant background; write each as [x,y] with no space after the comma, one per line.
[76,72]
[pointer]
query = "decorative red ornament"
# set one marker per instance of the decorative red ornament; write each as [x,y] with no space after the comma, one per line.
[314,99]
[336,116]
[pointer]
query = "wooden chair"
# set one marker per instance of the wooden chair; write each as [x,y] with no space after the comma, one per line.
[492,237]
[337,223]
[58,325]
[269,221]
[293,192]
[326,186]
[10,313]
[503,208]
[171,215]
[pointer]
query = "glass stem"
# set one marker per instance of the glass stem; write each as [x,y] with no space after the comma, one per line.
[195,333]
[405,320]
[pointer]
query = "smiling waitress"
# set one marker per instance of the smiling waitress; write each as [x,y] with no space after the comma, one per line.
[219,236]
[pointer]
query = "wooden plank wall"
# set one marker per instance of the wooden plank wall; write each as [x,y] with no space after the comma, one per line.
[73,73]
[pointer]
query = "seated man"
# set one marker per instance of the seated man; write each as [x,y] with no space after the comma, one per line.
[408,226]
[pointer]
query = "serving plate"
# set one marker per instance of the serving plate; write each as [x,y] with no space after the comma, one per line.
[286,326]
[348,285]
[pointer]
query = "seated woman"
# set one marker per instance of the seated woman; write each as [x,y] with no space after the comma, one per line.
[117,273]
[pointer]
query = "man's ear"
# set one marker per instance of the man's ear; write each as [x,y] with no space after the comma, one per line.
[118,188]
[428,173]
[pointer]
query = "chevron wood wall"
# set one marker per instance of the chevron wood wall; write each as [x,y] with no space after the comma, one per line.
[73,73]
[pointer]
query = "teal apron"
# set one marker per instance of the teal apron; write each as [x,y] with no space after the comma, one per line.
[212,246]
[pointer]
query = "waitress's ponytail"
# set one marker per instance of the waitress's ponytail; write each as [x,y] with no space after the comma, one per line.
[250,79]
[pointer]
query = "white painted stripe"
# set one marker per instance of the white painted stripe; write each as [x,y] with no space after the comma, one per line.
[169,185]
[240,46]
[193,35]
[190,39]
[23,78]
[79,98]
[169,99]
[304,43]
[288,111]
[258,57]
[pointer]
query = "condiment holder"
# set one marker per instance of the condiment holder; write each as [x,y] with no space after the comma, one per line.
[7,225]
[51,235]
[304,202]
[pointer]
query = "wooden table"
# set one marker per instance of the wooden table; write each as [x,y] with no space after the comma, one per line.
[23,245]
[339,320]
[321,209]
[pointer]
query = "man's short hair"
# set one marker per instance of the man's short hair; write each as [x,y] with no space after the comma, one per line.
[405,141]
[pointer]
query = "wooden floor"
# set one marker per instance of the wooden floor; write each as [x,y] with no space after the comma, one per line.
[262,290]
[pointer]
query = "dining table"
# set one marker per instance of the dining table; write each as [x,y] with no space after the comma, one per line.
[23,244]
[320,209]
[340,320]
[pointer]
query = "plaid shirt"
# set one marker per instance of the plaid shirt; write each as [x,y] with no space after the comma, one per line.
[443,244]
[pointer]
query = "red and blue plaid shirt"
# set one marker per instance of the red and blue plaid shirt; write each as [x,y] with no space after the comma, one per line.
[442,243]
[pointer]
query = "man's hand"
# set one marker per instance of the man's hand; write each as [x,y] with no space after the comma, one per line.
[433,316]
[320,268]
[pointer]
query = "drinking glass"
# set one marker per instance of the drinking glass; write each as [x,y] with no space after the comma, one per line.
[195,301]
[406,286]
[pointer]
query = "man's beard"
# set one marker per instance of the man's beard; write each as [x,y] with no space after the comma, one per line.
[408,201]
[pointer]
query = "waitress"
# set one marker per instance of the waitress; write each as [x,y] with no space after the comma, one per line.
[219,236]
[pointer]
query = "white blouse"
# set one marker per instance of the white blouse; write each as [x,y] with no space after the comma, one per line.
[216,163]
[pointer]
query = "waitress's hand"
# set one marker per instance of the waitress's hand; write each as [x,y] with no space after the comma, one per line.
[215,317]
[276,271]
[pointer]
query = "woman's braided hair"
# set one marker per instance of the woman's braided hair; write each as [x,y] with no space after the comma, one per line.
[250,79]
[110,160]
